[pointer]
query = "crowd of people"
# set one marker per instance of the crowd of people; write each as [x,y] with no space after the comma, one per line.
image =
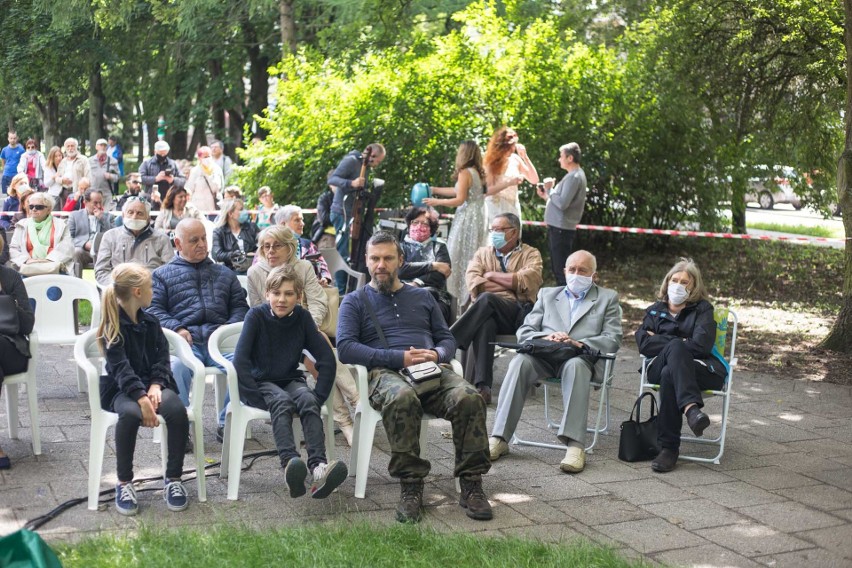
[425,300]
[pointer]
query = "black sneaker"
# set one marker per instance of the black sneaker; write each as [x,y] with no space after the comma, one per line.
[697,420]
[294,477]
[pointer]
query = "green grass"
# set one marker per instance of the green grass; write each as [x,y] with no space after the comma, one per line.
[795,229]
[328,545]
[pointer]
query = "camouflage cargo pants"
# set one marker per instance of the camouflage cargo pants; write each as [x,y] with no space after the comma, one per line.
[454,400]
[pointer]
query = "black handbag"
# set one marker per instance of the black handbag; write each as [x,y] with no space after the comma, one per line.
[9,323]
[638,441]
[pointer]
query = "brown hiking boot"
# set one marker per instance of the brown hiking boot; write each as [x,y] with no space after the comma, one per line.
[473,499]
[410,508]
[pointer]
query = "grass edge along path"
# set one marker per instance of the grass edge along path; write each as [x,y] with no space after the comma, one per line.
[335,544]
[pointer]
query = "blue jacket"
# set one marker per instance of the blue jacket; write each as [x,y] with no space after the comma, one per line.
[198,297]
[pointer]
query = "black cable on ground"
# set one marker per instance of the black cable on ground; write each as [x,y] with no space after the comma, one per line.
[40,521]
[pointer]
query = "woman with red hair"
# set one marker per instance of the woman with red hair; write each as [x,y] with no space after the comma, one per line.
[505,159]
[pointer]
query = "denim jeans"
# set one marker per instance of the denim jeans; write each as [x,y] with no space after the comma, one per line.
[339,222]
[183,375]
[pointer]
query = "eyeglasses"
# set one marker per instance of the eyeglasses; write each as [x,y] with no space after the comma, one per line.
[271,247]
[38,207]
[420,223]
[30,147]
[134,181]
[134,198]
[502,229]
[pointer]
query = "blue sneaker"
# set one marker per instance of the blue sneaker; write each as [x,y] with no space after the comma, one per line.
[125,499]
[175,495]
[294,477]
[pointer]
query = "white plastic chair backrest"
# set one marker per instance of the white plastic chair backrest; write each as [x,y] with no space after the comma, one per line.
[208,229]
[243,281]
[333,259]
[224,340]
[179,348]
[54,311]
[88,356]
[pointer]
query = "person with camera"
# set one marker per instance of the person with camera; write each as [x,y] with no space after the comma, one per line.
[235,237]
[395,330]
[205,182]
[565,204]
[135,241]
[159,173]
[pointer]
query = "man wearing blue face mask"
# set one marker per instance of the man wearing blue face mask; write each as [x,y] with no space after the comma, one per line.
[503,279]
[580,313]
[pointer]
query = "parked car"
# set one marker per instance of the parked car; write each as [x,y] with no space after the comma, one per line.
[774,187]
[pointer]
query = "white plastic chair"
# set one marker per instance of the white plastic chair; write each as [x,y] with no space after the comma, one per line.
[335,263]
[366,418]
[54,296]
[725,320]
[88,356]
[238,416]
[27,378]
[603,384]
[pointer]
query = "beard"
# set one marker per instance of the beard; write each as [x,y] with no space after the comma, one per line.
[387,285]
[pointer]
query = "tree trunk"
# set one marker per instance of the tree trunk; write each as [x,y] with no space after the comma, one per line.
[48,112]
[288,26]
[97,103]
[199,138]
[840,336]
[140,125]
[738,208]
[258,76]
[178,144]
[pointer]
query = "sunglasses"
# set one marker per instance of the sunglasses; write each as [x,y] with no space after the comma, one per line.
[133,198]
[38,207]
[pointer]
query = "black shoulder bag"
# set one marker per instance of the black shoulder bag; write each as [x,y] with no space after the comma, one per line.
[638,441]
[423,377]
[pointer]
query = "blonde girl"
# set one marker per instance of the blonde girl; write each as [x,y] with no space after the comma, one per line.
[139,384]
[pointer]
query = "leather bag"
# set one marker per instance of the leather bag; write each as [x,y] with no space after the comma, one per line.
[638,441]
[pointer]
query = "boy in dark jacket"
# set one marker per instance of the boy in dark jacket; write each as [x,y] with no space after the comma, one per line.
[267,363]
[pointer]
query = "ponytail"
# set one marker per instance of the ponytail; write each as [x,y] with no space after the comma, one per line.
[109,330]
[125,277]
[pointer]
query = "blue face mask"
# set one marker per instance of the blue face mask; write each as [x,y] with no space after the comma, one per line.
[244,217]
[498,239]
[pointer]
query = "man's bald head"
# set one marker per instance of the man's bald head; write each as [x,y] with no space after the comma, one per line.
[191,240]
[584,258]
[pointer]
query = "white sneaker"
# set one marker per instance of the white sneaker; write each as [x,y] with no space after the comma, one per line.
[497,447]
[574,461]
[327,478]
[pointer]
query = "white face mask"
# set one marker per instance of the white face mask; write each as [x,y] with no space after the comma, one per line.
[677,293]
[135,224]
[577,283]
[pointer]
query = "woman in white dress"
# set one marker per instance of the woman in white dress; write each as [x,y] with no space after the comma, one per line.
[469,229]
[506,160]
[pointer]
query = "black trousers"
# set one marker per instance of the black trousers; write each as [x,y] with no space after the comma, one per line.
[130,419]
[559,242]
[489,316]
[681,379]
[11,360]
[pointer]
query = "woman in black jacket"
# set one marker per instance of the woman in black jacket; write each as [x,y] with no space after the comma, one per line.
[426,261]
[14,345]
[235,237]
[678,335]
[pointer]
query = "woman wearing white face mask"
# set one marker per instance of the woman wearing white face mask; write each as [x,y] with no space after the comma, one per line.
[205,182]
[679,334]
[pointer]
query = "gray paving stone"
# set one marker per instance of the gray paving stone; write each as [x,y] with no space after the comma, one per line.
[800,558]
[554,488]
[773,477]
[735,494]
[705,555]
[650,535]
[753,539]
[694,514]
[601,510]
[791,517]
[823,497]
[554,533]
[835,540]
[645,491]
[841,478]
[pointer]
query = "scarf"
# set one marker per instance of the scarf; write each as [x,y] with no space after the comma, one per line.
[40,237]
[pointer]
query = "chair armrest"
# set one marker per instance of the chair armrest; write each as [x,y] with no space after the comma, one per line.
[181,349]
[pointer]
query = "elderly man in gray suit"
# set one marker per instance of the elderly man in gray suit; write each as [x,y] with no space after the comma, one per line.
[579,313]
[85,225]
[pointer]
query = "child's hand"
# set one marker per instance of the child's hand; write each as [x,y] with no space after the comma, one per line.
[155,395]
[149,416]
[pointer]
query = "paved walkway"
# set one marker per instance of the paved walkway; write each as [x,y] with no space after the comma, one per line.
[781,497]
